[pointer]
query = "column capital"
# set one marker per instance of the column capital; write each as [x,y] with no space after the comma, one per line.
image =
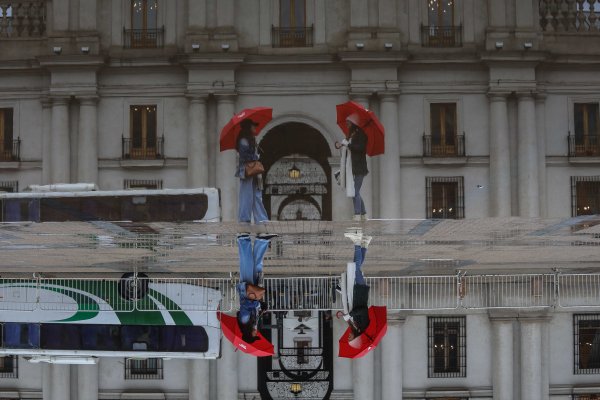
[90,100]
[496,95]
[526,94]
[388,95]
[59,100]
[534,316]
[197,97]
[46,102]
[500,315]
[225,97]
[396,318]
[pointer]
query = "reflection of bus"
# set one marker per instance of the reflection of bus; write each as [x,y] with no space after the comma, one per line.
[55,320]
[49,205]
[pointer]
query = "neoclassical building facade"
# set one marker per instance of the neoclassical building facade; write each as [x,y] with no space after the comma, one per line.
[491,109]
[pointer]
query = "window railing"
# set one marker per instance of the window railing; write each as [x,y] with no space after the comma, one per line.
[433,149]
[441,36]
[9,366]
[22,19]
[143,38]
[129,151]
[292,37]
[584,146]
[149,368]
[11,154]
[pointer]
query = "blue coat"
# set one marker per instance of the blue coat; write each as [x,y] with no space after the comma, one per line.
[246,153]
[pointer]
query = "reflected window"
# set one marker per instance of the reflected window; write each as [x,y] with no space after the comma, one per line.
[447,347]
[585,193]
[143,140]
[586,124]
[445,197]
[587,343]
[443,129]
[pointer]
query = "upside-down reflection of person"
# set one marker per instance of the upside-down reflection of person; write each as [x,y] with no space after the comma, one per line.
[357,316]
[251,267]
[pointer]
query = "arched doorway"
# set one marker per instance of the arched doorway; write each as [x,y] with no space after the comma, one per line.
[298,175]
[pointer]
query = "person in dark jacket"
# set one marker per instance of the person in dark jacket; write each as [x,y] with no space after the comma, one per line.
[250,195]
[358,318]
[251,266]
[357,144]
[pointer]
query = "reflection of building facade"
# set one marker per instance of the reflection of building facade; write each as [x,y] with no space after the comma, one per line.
[490,108]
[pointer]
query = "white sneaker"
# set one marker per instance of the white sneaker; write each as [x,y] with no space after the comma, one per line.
[364,217]
[355,237]
[356,217]
[365,241]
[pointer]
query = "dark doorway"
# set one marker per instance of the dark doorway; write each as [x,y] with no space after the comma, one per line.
[298,174]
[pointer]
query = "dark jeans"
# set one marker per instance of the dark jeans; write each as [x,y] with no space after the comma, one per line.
[359,204]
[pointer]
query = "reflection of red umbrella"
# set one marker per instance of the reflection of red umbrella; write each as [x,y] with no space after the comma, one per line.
[259,348]
[369,339]
[229,134]
[367,121]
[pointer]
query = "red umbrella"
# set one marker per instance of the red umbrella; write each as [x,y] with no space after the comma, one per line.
[369,339]
[229,134]
[367,121]
[259,348]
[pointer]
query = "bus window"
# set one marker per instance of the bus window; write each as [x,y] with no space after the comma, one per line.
[60,337]
[184,338]
[15,210]
[21,336]
[100,337]
[133,337]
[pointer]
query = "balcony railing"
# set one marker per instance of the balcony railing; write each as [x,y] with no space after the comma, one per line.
[22,19]
[292,37]
[143,38]
[584,146]
[441,36]
[130,151]
[569,16]
[433,149]
[9,154]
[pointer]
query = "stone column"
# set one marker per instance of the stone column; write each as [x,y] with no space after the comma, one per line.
[528,177]
[502,356]
[531,357]
[540,114]
[227,378]
[226,162]
[391,359]
[389,163]
[60,146]
[87,382]
[500,197]
[197,143]
[46,140]
[198,379]
[225,13]
[342,367]
[87,154]
[60,387]
[363,377]
[46,381]
[366,191]
[87,15]
[343,204]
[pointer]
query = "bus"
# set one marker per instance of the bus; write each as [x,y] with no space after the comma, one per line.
[81,202]
[75,321]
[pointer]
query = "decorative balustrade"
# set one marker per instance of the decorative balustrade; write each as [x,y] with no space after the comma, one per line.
[570,15]
[22,19]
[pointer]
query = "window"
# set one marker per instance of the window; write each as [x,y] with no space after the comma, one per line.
[443,140]
[586,123]
[586,329]
[144,32]
[9,366]
[142,184]
[9,186]
[143,143]
[292,30]
[441,31]
[302,345]
[585,195]
[445,197]
[149,368]
[447,347]
[7,152]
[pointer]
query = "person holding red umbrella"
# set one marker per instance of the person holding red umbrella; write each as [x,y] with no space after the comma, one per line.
[250,203]
[354,162]
[358,316]
[251,266]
